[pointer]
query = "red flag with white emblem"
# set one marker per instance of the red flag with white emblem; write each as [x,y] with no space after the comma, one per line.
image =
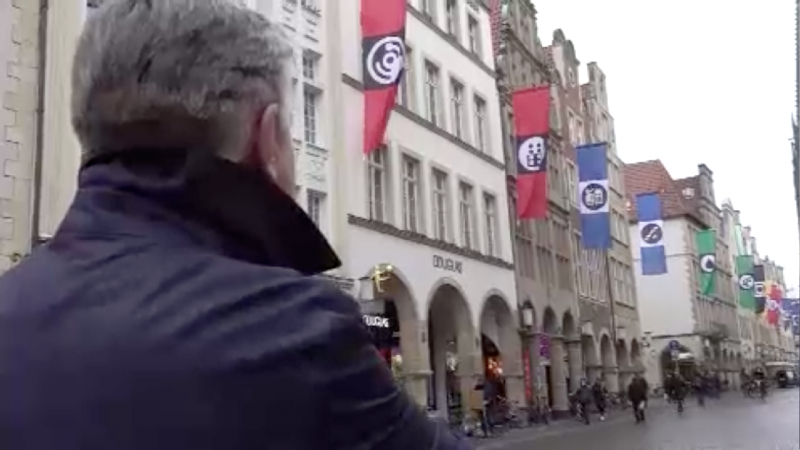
[383,29]
[532,126]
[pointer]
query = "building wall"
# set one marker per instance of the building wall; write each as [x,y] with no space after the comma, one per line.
[665,301]
[382,189]
[19,94]
[431,146]
[312,28]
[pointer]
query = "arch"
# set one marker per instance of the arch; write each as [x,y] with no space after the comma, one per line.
[550,322]
[453,345]
[498,324]
[591,358]
[570,329]
[446,284]
[398,289]
[623,357]
[607,352]
[636,356]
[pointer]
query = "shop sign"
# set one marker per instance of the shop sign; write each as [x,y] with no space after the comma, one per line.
[376,321]
[448,264]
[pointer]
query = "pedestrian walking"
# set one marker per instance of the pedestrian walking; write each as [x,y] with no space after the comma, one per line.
[177,307]
[637,394]
[600,395]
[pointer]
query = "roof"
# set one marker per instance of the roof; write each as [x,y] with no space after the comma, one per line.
[652,177]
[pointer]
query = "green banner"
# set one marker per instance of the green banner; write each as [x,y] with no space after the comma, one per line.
[744,272]
[707,251]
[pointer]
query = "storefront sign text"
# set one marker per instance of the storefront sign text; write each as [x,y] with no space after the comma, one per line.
[376,321]
[448,264]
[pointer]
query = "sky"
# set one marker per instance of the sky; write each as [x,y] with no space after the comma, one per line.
[693,82]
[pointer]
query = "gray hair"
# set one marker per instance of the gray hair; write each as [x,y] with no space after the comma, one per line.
[177,73]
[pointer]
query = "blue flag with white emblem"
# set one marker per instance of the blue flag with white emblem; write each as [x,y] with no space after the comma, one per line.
[651,234]
[593,196]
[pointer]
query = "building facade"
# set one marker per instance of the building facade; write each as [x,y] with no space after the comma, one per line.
[21,142]
[672,306]
[45,179]
[543,251]
[770,343]
[427,213]
[618,314]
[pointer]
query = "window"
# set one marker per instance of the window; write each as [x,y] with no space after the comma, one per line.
[579,268]
[572,183]
[310,63]
[440,204]
[466,203]
[411,194]
[480,123]
[429,9]
[377,184]
[490,214]
[452,17]
[457,104]
[579,132]
[473,28]
[315,202]
[310,125]
[405,91]
[432,93]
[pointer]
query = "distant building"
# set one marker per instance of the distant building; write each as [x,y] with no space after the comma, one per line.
[671,305]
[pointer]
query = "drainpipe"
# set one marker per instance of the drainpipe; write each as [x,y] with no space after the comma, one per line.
[38,151]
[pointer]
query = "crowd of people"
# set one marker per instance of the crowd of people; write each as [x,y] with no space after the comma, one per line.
[703,384]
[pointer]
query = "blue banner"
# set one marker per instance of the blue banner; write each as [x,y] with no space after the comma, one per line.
[593,196]
[790,308]
[651,234]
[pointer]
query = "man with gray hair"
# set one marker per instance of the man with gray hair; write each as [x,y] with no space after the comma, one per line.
[175,307]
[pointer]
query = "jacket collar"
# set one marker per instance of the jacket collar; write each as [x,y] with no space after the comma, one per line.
[224,205]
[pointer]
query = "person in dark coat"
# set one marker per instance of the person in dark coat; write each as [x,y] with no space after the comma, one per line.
[599,395]
[176,306]
[637,394]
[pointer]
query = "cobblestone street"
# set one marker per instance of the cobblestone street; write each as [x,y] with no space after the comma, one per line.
[732,423]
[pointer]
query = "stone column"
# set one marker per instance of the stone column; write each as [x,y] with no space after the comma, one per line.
[537,384]
[558,374]
[576,371]
[470,371]
[416,360]
[514,375]
[611,375]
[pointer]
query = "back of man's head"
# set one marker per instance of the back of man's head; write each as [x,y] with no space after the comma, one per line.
[177,74]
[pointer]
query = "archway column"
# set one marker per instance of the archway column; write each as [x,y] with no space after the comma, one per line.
[416,360]
[575,354]
[470,372]
[514,376]
[611,376]
[558,374]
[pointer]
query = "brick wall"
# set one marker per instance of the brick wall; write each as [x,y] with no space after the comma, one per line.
[19,71]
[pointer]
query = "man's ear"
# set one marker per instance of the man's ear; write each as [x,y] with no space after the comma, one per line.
[269,135]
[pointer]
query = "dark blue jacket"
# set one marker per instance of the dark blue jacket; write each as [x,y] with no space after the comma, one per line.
[174,309]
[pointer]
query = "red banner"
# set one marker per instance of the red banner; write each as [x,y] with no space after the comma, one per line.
[532,126]
[383,24]
[528,377]
[774,294]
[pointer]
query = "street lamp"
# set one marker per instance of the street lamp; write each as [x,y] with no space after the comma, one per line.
[526,312]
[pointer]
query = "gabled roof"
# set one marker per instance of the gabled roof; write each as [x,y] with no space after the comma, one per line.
[652,177]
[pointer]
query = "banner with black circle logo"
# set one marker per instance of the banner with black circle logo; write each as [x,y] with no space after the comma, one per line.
[745,277]
[593,197]
[651,234]
[531,126]
[706,241]
[383,29]
[759,288]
